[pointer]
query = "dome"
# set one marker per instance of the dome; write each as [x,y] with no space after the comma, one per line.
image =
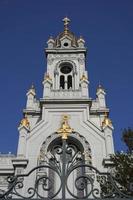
[66,39]
[66,33]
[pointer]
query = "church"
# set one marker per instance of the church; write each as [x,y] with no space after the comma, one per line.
[62,128]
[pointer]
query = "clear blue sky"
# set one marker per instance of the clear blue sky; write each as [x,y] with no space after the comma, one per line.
[25,25]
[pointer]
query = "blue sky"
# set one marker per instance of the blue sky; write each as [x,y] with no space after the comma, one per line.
[25,25]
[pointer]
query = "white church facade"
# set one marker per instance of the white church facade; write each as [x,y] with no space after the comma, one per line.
[66,112]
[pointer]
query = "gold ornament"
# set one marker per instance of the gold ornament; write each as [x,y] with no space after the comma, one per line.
[106,121]
[25,122]
[66,23]
[47,77]
[83,78]
[65,129]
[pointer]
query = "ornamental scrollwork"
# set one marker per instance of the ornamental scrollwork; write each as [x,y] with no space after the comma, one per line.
[64,173]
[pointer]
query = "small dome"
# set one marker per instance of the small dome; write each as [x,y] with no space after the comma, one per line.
[66,33]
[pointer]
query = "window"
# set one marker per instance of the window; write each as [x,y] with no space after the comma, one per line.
[66,75]
[62,83]
[69,82]
[66,69]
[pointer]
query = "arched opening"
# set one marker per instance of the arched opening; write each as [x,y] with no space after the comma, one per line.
[75,152]
[66,71]
[69,82]
[62,82]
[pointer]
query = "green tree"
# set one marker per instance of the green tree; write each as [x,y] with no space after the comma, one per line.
[127,137]
[123,163]
[123,170]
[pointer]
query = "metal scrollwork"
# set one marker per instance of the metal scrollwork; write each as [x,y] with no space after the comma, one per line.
[64,167]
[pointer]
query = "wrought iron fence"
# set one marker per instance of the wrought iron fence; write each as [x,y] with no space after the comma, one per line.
[64,174]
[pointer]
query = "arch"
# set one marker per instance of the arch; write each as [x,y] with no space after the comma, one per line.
[75,150]
[59,64]
[65,68]
[75,137]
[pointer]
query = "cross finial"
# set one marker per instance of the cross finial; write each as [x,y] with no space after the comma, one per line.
[66,21]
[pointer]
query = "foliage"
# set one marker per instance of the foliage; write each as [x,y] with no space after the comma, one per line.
[123,163]
[128,138]
[123,171]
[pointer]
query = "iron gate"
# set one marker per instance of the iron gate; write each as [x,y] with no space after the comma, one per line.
[65,168]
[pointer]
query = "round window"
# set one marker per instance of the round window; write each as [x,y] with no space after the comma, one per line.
[66,44]
[66,69]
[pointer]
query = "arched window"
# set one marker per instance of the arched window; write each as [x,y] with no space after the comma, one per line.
[66,71]
[62,82]
[69,82]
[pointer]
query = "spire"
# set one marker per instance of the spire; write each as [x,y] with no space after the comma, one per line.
[100,87]
[81,39]
[31,97]
[31,90]
[66,21]
[101,96]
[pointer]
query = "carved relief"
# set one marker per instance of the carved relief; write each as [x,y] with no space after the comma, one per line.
[65,56]
[81,59]
[19,171]
[82,139]
[50,59]
[3,180]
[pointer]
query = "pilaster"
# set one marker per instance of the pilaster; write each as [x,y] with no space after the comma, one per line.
[23,129]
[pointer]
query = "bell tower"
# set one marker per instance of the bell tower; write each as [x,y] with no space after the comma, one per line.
[66,93]
[62,128]
[66,76]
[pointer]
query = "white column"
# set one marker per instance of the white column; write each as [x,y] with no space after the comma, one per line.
[65,82]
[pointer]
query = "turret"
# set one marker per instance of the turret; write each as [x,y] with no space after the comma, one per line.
[50,42]
[65,76]
[47,83]
[81,42]
[31,98]
[84,85]
[101,96]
